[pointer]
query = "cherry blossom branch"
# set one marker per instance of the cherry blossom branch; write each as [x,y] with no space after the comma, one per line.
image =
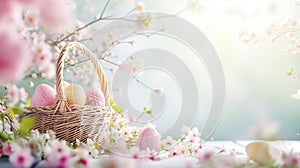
[110,18]
[116,42]
[106,5]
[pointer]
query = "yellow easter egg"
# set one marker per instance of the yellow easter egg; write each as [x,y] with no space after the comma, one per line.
[75,94]
[262,153]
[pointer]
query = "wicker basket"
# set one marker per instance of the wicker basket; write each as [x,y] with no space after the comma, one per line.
[76,121]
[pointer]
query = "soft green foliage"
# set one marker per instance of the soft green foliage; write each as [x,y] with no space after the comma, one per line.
[26,125]
[147,111]
[14,110]
[289,73]
[114,106]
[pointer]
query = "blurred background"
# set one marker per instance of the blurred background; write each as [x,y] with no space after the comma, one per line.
[258,90]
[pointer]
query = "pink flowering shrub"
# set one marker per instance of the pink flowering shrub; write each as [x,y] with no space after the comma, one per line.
[14,56]
[21,47]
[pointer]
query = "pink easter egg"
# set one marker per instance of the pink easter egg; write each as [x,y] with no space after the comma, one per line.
[44,95]
[149,138]
[95,97]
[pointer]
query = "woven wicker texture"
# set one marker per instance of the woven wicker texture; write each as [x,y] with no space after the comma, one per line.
[76,121]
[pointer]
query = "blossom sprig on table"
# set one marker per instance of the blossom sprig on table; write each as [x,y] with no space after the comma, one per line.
[121,144]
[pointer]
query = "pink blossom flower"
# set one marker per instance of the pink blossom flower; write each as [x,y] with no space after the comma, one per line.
[168,142]
[13,94]
[50,70]
[290,160]
[22,94]
[136,153]
[34,37]
[56,14]
[289,23]
[2,107]
[82,156]
[132,65]
[206,155]
[272,32]
[21,156]
[7,149]
[42,56]
[196,148]
[193,136]
[31,18]
[59,154]
[14,55]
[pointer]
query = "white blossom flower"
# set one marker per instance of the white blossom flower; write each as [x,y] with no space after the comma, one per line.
[22,94]
[291,36]
[168,142]
[21,156]
[13,94]
[120,146]
[91,148]
[31,18]
[136,153]
[140,6]
[185,131]
[179,150]
[125,133]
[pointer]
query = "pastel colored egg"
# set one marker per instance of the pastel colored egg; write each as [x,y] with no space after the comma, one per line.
[75,94]
[44,95]
[95,97]
[149,138]
[262,153]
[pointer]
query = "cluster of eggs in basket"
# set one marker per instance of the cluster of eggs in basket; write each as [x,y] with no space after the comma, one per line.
[45,95]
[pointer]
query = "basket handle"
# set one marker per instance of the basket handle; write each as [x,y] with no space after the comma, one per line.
[60,96]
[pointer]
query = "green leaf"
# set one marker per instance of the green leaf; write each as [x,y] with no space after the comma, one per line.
[111,101]
[5,101]
[288,73]
[145,108]
[28,102]
[26,125]
[4,137]
[97,144]
[149,112]
[117,109]
[15,110]
[10,112]
[18,110]
[111,123]
[1,117]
